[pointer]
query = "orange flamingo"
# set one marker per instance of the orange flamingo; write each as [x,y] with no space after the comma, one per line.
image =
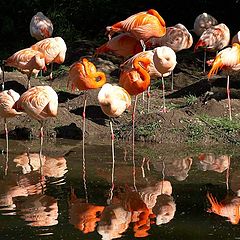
[229,60]
[27,61]
[142,25]
[213,39]
[162,62]
[229,207]
[135,81]
[123,45]
[41,26]
[39,103]
[83,75]
[177,38]
[114,100]
[202,22]
[7,101]
[54,50]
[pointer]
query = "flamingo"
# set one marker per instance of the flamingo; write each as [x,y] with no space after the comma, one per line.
[213,39]
[39,103]
[123,45]
[113,100]
[229,207]
[27,61]
[202,22]
[83,75]
[142,25]
[177,38]
[162,62]
[236,38]
[7,101]
[227,59]
[41,26]
[54,50]
[136,81]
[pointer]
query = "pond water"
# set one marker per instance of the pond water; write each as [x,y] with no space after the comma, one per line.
[162,194]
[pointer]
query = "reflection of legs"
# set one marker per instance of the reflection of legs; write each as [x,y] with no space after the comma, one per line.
[113,161]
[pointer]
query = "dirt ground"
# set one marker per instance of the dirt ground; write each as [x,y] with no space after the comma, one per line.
[193,107]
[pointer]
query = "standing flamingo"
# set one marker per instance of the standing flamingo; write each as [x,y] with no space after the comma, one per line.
[83,75]
[114,100]
[142,25]
[213,39]
[7,101]
[202,22]
[54,50]
[28,61]
[229,60]
[39,103]
[162,62]
[135,81]
[177,38]
[41,26]
[123,45]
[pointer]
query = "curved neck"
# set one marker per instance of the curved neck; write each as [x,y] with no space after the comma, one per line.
[156,14]
[102,79]
[142,69]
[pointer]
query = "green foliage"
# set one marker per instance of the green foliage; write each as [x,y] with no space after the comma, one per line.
[190,100]
[146,130]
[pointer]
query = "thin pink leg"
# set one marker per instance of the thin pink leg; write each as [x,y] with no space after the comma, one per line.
[229,100]
[133,143]
[6,132]
[163,93]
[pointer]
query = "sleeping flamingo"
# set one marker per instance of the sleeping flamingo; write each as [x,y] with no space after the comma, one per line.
[54,50]
[213,39]
[7,101]
[27,61]
[142,25]
[83,75]
[114,100]
[41,26]
[123,45]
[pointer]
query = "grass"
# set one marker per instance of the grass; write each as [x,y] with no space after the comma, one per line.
[213,127]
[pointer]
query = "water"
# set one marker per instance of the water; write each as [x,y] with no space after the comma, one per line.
[65,199]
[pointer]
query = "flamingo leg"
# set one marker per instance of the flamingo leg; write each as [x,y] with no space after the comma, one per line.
[148,98]
[172,81]
[83,144]
[3,76]
[113,161]
[227,174]
[6,133]
[143,45]
[133,143]
[204,60]
[41,146]
[51,70]
[163,92]
[28,83]
[229,100]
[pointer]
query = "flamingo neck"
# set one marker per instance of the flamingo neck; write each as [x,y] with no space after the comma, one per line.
[102,79]
[157,15]
[145,77]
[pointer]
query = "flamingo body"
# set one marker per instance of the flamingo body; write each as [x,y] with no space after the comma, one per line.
[124,45]
[7,101]
[136,80]
[27,61]
[177,37]
[41,26]
[38,102]
[142,25]
[114,100]
[214,38]
[83,75]
[228,59]
[53,48]
[203,22]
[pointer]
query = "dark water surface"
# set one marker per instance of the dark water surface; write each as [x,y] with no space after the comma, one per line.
[161,195]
